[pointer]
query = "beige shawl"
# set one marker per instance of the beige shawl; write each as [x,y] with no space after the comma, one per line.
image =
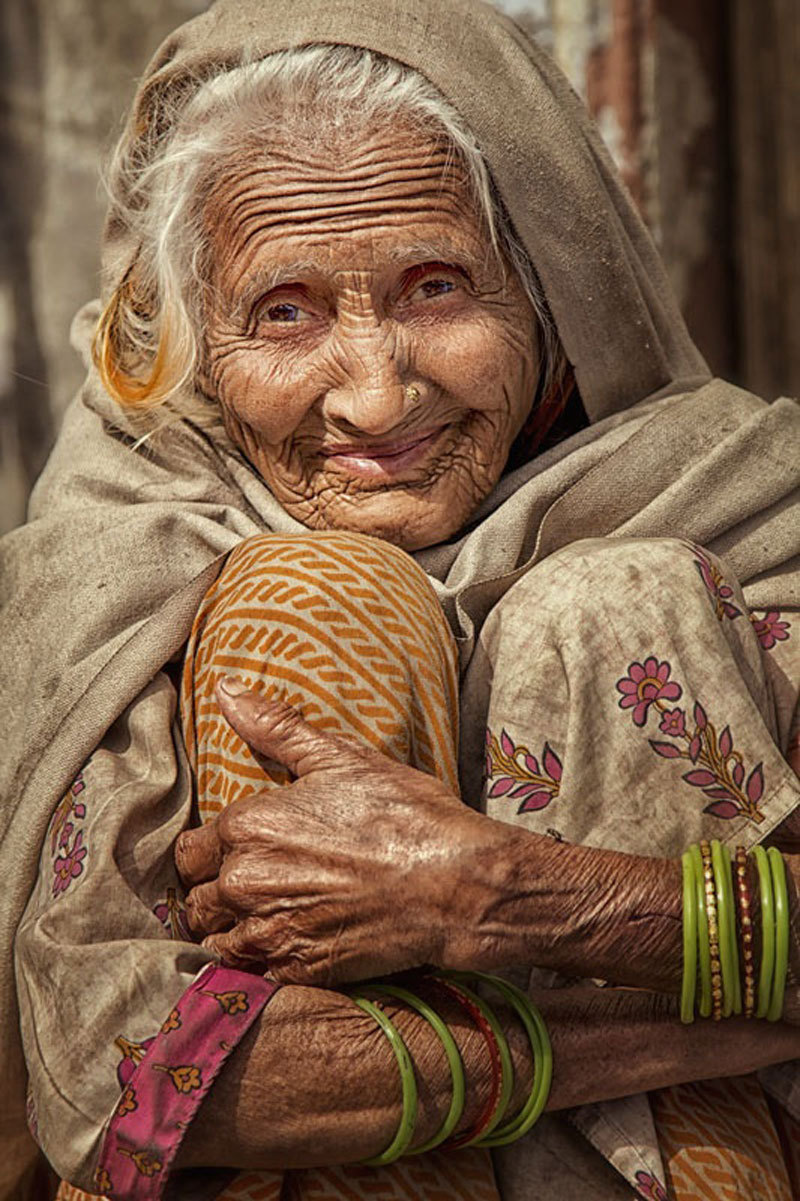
[100,588]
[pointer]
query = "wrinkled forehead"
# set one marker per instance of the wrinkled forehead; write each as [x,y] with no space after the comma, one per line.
[361,201]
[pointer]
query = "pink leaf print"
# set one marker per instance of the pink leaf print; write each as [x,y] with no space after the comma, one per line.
[755,784]
[699,778]
[502,786]
[514,772]
[726,809]
[720,592]
[738,774]
[667,750]
[719,794]
[725,743]
[695,746]
[537,800]
[552,763]
[700,718]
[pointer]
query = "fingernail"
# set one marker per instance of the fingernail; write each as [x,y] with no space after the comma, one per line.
[232,686]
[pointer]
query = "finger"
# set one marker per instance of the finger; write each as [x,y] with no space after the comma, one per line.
[242,945]
[206,912]
[198,854]
[277,730]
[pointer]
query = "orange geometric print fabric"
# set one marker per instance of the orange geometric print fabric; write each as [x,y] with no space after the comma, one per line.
[344,627]
[719,1143]
[348,630]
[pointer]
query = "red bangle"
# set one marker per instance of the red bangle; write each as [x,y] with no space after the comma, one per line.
[487,1113]
[746,927]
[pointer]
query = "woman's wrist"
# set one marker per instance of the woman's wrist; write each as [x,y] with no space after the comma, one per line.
[579,910]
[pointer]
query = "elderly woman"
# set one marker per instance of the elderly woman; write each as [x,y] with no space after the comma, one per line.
[382,548]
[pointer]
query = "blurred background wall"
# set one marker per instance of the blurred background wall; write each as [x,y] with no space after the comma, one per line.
[697,99]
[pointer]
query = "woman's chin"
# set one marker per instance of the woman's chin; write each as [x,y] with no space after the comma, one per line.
[408,520]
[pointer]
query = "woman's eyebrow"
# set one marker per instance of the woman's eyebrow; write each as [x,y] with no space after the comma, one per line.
[436,251]
[265,279]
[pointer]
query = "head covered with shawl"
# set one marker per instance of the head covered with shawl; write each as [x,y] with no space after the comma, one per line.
[499,146]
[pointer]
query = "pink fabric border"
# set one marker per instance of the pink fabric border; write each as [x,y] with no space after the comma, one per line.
[165,1091]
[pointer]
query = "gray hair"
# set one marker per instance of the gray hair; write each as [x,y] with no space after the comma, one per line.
[148,343]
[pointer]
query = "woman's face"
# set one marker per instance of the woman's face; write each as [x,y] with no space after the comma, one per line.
[371,356]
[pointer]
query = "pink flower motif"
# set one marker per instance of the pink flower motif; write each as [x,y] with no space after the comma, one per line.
[68,866]
[66,834]
[720,592]
[770,629]
[644,684]
[649,1187]
[673,722]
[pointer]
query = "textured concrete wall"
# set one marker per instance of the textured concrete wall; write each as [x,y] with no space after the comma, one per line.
[655,73]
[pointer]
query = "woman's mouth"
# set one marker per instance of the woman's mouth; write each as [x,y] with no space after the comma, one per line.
[382,460]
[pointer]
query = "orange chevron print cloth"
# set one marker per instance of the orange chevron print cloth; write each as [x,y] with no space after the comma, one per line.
[349,631]
[719,1142]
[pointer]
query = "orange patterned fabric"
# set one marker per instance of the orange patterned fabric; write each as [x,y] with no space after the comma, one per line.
[349,631]
[719,1142]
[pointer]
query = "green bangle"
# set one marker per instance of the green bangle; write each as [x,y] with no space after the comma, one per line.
[703,947]
[453,1059]
[542,1050]
[506,1066]
[689,979]
[724,919]
[737,977]
[767,901]
[781,896]
[405,1132]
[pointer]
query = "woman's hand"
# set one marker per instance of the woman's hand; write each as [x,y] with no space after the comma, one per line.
[354,870]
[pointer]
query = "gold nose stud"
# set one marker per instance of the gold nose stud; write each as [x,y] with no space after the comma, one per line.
[412,394]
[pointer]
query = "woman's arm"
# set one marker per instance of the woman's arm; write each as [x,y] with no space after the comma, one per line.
[315,1082]
[309,877]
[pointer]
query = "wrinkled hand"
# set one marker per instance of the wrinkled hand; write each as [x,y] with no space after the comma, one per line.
[354,870]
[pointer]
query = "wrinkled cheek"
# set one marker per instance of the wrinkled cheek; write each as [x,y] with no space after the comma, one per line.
[258,398]
[486,364]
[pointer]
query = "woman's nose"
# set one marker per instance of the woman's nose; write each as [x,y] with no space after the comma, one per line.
[370,393]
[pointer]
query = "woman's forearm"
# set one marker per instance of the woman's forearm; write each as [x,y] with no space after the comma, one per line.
[316,1082]
[611,1043]
[575,909]
[581,911]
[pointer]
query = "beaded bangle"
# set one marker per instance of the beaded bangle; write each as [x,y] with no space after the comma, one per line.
[502,1069]
[726,918]
[737,978]
[453,1060]
[767,901]
[781,895]
[704,952]
[405,1132]
[710,899]
[542,1052]
[689,981]
[746,927]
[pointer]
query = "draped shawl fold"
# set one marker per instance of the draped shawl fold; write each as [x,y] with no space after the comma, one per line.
[100,588]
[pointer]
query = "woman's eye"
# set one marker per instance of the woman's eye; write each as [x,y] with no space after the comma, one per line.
[284,313]
[433,287]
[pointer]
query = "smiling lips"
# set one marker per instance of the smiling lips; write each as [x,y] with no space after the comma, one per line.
[387,460]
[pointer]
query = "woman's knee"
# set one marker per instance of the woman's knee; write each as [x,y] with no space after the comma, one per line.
[590,578]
